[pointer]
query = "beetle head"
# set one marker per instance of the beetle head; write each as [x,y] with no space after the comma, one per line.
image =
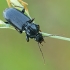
[39,38]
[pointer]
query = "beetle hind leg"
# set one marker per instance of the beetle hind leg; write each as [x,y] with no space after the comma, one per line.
[7,22]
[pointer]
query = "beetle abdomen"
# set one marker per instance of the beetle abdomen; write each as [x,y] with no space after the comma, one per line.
[15,17]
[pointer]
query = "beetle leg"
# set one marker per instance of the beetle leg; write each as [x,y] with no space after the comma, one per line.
[7,22]
[31,20]
[18,30]
[23,11]
[27,38]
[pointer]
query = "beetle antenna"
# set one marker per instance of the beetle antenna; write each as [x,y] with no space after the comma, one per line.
[41,53]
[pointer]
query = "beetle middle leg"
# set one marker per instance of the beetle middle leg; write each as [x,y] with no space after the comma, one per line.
[27,38]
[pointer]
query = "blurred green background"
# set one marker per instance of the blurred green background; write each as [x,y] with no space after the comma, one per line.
[53,16]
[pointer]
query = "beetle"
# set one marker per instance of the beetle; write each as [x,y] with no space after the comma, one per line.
[22,22]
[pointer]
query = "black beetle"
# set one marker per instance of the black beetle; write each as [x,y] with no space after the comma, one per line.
[22,22]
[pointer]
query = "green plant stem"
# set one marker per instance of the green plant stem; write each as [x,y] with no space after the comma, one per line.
[3,25]
[55,36]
